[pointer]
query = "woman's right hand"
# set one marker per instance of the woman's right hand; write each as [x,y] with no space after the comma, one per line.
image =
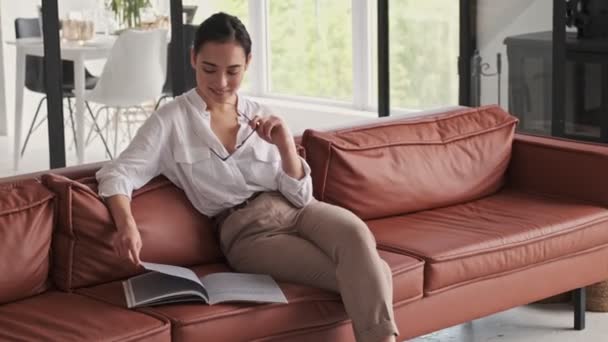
[128,242]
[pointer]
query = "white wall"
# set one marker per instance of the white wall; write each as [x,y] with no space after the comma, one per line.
[3,112]
[498,20]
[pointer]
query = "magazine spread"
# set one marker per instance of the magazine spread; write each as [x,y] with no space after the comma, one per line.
[172,284]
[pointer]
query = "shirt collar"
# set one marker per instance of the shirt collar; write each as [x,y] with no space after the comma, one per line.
[201,105]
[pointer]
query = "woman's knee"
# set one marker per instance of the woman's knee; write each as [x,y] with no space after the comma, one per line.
[355,231]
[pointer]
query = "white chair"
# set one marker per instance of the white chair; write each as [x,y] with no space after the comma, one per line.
[133,74]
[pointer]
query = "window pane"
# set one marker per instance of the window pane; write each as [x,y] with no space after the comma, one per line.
[203,9]
[424,37]
[311,48]
[521,32]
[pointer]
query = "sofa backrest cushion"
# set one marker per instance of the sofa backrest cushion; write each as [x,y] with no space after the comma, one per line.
[402,166]
[26,225]
[172,232]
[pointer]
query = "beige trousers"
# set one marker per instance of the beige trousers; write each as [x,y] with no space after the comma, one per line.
[320,245]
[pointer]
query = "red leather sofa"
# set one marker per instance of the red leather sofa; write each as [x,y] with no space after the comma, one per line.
[471,217]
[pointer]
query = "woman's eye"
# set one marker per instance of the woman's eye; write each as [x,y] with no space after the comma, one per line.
[233,73]
[207,71]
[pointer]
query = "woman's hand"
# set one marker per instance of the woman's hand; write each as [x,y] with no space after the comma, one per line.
[273,130]
[128,242]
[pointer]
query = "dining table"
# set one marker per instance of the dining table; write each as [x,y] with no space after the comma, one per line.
[76,51]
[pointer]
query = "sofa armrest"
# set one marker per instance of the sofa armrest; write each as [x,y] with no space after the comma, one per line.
[561,167]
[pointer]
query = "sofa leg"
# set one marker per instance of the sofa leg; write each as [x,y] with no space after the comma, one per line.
[579,298]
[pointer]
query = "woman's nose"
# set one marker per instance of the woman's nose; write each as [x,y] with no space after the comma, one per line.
[222,80]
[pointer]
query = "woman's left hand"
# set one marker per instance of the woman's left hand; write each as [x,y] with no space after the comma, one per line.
[273,130]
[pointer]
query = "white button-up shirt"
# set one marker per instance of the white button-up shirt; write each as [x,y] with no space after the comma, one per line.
[176,141]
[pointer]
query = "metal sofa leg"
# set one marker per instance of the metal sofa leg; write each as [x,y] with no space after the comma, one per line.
[579,298]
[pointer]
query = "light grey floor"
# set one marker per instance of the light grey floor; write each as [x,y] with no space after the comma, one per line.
[530,323]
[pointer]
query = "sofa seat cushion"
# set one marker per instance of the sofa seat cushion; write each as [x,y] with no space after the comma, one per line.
[505,232]
[26,225]
[59,316]
[308,308]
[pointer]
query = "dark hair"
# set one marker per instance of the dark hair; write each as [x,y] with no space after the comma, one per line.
[222,28]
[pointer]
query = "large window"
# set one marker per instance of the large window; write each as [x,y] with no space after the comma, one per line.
[310,45]
[423,53]
[325,51]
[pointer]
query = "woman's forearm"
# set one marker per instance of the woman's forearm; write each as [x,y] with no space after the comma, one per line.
[120,208]
[291,163]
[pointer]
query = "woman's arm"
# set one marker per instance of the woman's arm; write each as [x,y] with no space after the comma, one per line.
[291,162]
[293,178]
[128,241]
[137,165]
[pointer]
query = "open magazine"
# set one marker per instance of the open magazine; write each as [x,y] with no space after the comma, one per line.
[171,284]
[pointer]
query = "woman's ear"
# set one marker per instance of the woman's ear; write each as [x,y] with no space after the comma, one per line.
[193,58]
[248,61]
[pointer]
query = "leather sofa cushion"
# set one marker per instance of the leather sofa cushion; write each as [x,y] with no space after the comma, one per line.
[413,164]
[502,233]
[60,316]
[26,225]
[172,232]
[308,309]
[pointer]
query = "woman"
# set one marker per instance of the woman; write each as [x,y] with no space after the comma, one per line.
[241,168]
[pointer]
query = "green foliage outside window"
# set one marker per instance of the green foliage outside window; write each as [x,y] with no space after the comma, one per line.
[310,49]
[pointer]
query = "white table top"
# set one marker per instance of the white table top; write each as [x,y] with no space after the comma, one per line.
[95,48]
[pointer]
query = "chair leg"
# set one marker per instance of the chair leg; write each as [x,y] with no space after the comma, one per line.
[103,140]
[29,133]
[129,122]
[580,298]
[116,119]
[71,111]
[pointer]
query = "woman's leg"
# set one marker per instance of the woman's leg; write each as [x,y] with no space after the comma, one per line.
[364,279]
[261,239]
[285,258]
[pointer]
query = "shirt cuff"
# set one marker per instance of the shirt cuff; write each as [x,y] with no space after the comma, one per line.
[111,187]
[299,190]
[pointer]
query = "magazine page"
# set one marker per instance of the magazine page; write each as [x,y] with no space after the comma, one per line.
[175,271]
[166,284]
[227,287]
[158,288]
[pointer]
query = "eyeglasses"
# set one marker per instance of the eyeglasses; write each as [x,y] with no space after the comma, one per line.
[237,146]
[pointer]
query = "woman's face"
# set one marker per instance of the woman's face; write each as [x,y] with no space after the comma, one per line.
[220,68]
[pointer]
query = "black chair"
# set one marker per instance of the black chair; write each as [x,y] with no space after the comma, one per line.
[189,74]
[34,75]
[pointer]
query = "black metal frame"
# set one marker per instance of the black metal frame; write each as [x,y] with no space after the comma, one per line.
[177,50]
[558,122]
[384,95]
[579,298]
[53,83]
[468,44]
